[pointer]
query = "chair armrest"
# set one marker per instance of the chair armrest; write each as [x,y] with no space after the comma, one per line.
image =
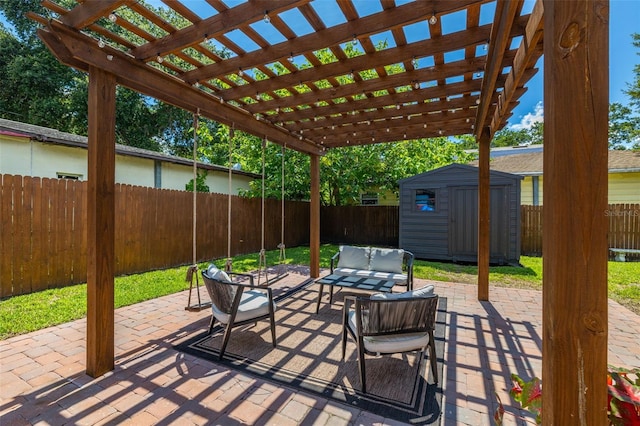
[408,259]
[239,274]
[255,287]
[334,260]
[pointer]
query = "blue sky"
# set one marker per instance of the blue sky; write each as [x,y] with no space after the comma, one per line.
[624,19]
[623,56]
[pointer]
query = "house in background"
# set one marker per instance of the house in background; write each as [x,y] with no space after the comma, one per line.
[624,175]
[35,151]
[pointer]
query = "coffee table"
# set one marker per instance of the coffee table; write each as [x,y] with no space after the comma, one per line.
[355,283]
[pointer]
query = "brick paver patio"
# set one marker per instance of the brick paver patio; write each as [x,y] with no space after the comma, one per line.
[42,378]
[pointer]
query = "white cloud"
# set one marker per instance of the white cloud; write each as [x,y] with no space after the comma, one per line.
[528,120]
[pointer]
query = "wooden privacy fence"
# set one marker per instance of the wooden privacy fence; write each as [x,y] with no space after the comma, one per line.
[43,230]
[374,225]
[624,228]
[531,230]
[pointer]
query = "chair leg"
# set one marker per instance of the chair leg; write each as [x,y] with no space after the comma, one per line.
[432,357]
[363,379]
[212,323]
[273,325]
[225,339]
[344,341]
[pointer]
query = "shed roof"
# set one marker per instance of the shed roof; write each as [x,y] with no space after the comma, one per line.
[457,168]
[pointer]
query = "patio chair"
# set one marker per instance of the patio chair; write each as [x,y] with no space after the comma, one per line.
[390,324]
[234,304]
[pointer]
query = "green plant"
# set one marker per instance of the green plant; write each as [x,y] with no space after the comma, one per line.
[201,183]
[624,397]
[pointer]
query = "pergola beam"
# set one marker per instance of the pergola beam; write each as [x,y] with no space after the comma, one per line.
[528,52]
[505,14]
[84,14]
[575,252]
[101,167]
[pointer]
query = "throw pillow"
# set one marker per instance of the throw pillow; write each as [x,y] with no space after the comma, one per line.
[386,260]
[354,257]
[217,274]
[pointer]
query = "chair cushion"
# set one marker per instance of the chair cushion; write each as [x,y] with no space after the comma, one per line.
[354,257]
[386,260]
[391,343]
[253,304]
[426,291]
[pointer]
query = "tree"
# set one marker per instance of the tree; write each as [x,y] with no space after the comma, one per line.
[37,89]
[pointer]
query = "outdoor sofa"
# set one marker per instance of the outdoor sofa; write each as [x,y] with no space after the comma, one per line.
[374,262]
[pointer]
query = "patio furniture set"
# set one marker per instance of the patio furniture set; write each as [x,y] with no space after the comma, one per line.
[382,323]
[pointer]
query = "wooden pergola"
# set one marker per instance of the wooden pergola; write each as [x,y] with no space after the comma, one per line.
[298,86]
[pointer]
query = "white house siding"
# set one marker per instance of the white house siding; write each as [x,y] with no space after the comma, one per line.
[22,156]
[134,170]
[15,155]
[175,176]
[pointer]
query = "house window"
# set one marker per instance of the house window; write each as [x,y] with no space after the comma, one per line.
[71,176]
[369,199]
[425,200]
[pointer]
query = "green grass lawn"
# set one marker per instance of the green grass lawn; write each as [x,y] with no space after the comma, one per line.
[22,314]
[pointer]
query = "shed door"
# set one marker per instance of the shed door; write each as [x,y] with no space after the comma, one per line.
[463,224]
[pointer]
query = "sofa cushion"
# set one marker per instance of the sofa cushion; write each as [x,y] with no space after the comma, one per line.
[426,291]
[386,260]
[354,257]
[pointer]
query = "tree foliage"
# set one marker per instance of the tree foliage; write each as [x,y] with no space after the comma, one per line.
[37,89]
[624,121]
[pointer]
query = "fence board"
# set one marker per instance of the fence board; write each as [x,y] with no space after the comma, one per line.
[21,220]
[6,236]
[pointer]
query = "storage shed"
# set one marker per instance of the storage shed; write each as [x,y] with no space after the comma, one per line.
[439,215]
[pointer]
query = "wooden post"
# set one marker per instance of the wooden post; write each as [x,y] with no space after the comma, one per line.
[314,218]
[576,81]
[484,214]
[100,222]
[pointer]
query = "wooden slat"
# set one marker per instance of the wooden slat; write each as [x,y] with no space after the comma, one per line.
[39,236]
[6,235]
[22,232]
